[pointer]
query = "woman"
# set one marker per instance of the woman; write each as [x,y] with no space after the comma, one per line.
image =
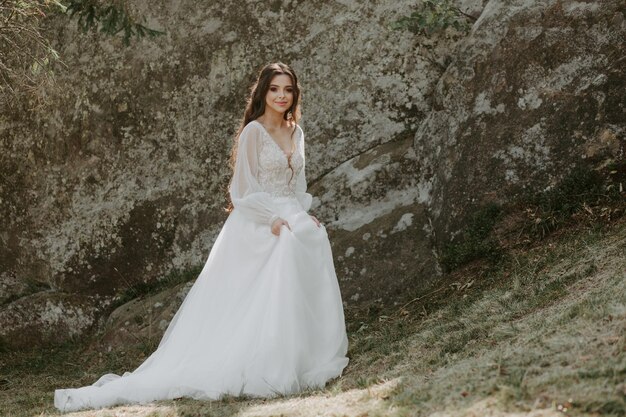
[265,315]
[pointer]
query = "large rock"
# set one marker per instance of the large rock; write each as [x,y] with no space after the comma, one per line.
[122,177]
[141,321]
[378,223]
[537,89]
[48,318]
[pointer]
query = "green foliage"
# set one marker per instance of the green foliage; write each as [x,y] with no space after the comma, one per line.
[604,407]
[580,189]
[111,18]
[434,16]
[475,242]
[583,192]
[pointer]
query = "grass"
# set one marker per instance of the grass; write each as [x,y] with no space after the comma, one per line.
[582,196]
[139,289]
[542,330]
[476,242]
[582,188]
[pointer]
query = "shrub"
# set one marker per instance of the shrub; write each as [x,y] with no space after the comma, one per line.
[433,16]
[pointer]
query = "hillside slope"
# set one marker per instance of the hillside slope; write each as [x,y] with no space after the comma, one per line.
[539,334]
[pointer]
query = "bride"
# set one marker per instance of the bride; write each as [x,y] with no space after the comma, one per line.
[265,315]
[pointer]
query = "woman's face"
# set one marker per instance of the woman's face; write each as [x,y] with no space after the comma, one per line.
[279,96]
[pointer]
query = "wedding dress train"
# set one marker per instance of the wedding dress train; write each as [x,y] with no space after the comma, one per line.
[265,315]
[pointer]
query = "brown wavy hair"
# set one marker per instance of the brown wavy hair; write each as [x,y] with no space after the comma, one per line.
[255,107]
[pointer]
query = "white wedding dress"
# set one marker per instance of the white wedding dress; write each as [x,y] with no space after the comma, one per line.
[265,315]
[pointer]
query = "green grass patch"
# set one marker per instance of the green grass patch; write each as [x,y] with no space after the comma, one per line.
[582,188]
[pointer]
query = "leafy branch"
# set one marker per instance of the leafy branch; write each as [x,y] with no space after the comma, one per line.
[434,16]
[26,53]
[110,17]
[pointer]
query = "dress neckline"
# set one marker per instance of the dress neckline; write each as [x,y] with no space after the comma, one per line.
[274,141]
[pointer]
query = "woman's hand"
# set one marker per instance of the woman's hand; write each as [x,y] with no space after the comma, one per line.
[278,223]
[317,222]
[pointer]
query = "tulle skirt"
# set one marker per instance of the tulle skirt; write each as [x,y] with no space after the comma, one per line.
[264,318]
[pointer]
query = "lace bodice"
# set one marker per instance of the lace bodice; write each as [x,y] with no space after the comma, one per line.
[274,174]
[262,173]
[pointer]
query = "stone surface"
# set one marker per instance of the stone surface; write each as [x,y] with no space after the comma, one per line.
[48,318]
[11,287]
[378,223]
[535,90]
[122,178]
[142,320]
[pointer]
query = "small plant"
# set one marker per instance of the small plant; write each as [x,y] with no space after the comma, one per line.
[476,241]
[585,193]
[433,16]
[366,382]
[111,18]
[581,190]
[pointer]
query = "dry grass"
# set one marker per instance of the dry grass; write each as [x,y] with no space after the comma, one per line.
[542,334]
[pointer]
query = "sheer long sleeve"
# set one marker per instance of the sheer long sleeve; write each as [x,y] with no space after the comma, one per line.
[303,197]
[246,193]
